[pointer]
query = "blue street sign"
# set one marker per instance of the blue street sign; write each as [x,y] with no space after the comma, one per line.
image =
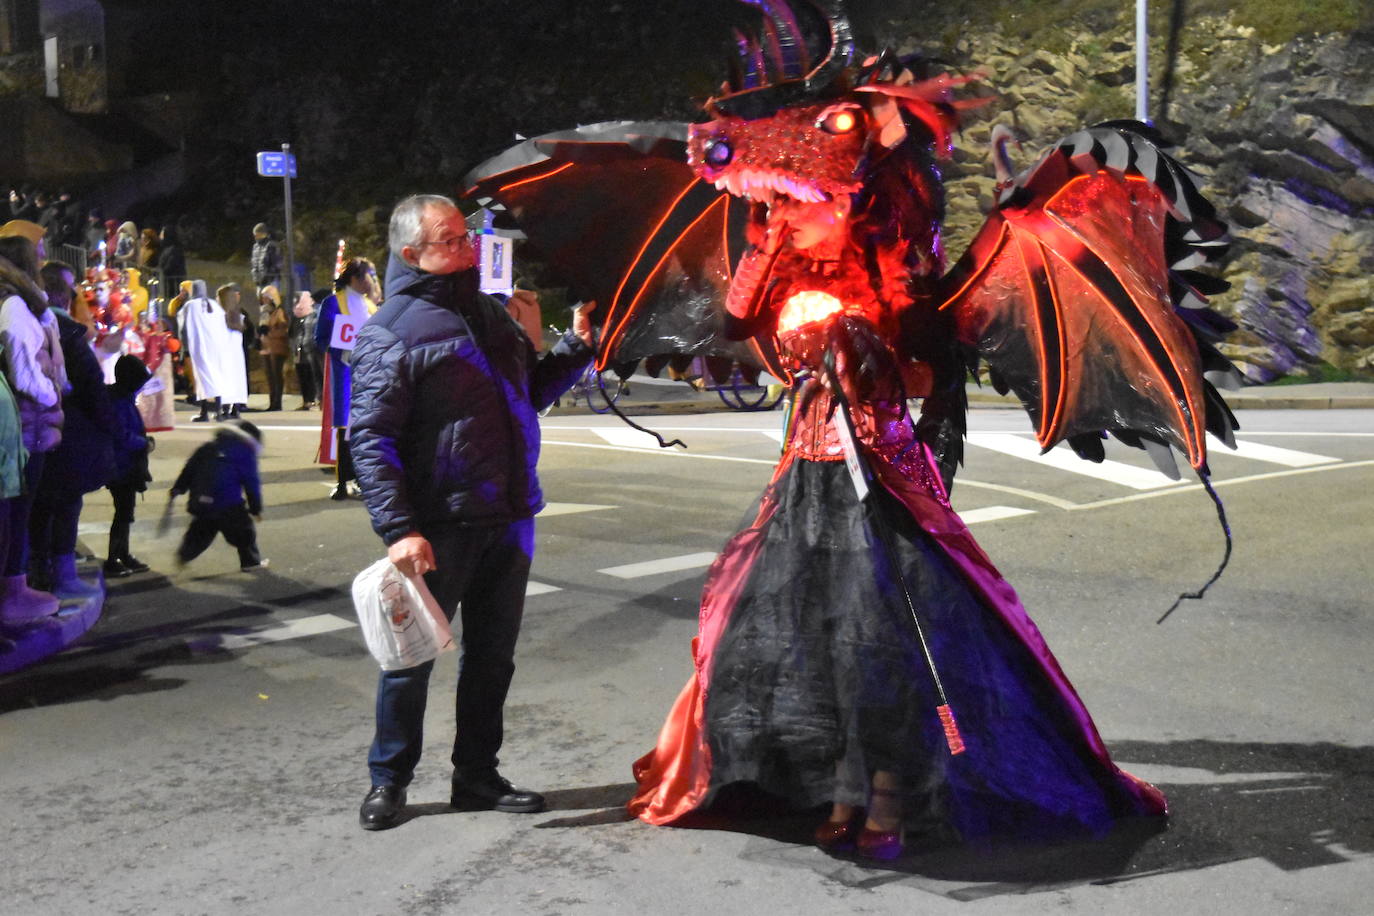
[276,165]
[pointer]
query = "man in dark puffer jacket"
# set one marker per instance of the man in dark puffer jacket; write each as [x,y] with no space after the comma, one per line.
[444,431]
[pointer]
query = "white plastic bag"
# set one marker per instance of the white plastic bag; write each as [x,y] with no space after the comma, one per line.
[401,622]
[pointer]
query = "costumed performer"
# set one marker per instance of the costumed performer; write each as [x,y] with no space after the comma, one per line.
[341,316]
[233,361]
[206,338]
[842,630]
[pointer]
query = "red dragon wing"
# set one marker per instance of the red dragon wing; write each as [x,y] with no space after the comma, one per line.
[1078,294]
[615,208]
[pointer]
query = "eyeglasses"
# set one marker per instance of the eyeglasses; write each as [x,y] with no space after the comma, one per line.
[453,244]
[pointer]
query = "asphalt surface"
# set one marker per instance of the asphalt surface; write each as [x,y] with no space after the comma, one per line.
[202,749]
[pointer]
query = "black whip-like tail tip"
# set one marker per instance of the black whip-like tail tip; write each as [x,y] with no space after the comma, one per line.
[662,443]
[1226,529]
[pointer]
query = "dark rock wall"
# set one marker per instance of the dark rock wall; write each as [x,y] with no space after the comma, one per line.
[1282,134]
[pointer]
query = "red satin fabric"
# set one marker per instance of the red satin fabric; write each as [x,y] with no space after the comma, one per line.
[675,776]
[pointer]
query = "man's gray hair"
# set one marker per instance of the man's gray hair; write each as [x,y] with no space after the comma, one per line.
[405,226]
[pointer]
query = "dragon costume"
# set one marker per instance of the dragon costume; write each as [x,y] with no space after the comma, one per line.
[796,227]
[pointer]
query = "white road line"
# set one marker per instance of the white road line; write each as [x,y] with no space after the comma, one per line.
[1299,434]
[1046,498]
[1218,484]
[625,437]
[1272,454]
[1167,774]
[992,514]
[552,509]
[654,567]
[539,588]
[1063,459]
[672,452]
[774,434]
[295,629]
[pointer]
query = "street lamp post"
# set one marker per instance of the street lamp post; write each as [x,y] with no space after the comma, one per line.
[289,299]
[1142,61]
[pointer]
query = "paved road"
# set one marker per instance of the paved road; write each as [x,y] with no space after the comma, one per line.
[202,750]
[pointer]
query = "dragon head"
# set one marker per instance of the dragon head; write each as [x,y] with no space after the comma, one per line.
[806,136]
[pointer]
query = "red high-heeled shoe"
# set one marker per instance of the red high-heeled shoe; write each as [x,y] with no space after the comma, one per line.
[883,845]
[836,836]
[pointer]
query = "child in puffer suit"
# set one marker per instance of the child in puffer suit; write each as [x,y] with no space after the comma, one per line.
[216,479]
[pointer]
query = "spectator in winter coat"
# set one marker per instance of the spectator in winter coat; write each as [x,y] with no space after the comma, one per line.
[274,330]
[129,472]
[171,261]
[13,455]
[148,247]
[80,464]
[446,438]
[304,317]
[265,260]
[125,252]
[94,235]
[23,204]
[33,367]
[216,478]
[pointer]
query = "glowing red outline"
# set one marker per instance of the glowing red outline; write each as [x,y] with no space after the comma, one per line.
[616,333]
[725,242]
[1051,418]
[1060,325]
[982,268]
[549,174]
[1194,431]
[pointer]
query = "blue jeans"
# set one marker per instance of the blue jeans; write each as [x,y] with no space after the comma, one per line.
[484,569]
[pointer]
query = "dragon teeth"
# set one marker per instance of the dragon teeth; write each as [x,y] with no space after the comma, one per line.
[767,186]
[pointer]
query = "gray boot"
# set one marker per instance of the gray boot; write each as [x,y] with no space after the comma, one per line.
[66,583]
[19,603]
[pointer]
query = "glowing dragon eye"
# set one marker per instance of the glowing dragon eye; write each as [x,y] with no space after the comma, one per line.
[838,120]
[718,153]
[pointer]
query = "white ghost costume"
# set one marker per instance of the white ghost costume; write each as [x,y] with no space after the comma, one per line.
[213,354]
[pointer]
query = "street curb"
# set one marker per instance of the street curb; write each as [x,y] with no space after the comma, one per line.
[1309,403]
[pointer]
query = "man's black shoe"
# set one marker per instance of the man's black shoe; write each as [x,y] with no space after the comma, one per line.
[382,808]
[114,568]
[494,793]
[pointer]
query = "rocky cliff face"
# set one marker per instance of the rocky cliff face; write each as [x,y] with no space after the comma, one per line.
[1283,136]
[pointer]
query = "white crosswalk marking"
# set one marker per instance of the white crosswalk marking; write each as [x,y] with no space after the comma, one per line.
[992,514]
[1063,459]
[295,629]
[1272,454]
[774,434]
[654,567]
[539,588]
[625,437]
[551,509]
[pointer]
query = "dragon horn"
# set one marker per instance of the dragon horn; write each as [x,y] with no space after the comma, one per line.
[788,48]
[841,45]
[1002,136]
